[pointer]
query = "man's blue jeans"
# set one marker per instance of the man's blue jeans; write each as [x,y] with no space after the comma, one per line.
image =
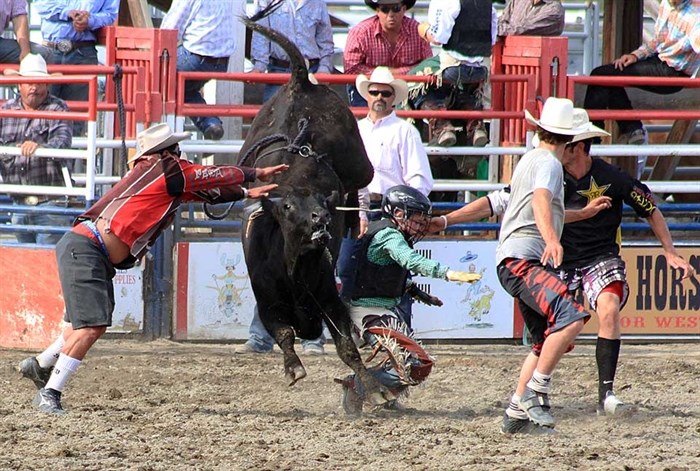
[86,55]
[260,339]
[188,62]
[29,219]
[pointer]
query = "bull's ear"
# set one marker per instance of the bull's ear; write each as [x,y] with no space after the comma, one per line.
[332,200]
[269,204]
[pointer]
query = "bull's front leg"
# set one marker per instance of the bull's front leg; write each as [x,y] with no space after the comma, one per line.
[340,329]
[284,336]
[293,368]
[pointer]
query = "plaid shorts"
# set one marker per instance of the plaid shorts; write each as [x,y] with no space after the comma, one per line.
[593,279]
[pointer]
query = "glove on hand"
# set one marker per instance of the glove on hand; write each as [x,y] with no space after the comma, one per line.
[422,297]
[462,276]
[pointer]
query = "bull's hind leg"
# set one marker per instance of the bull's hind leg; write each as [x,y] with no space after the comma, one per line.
[293,369]
[339,326]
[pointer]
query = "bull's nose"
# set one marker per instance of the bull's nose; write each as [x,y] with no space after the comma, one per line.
[320,217]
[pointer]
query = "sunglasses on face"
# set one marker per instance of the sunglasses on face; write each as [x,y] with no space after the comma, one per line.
[383,93]
[387,8]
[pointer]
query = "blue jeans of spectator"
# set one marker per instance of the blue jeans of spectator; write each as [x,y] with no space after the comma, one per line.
[600,97]
[260,339]
[271,89]
[354,97]
[188,62]
[10,52]
[86,55]
[36,219]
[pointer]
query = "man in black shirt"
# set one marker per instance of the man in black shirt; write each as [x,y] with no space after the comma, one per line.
[593,197]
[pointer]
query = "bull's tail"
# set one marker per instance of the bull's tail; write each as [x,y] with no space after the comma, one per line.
[299,71]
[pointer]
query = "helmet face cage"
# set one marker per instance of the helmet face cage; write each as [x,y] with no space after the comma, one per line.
[409,209]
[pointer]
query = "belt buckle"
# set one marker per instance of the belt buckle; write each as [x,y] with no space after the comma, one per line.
[31,200]
[64,45]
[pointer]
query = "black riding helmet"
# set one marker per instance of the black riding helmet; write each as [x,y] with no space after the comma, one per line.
[410,201]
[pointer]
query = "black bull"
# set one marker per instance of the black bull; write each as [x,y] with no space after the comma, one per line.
[292,239]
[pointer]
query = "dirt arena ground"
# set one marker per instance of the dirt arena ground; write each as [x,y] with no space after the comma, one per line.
[169,406]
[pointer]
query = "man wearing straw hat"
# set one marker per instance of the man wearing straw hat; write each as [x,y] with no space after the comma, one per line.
[115,233]
[528,249]
[594,194]
[29,134]
[397,154]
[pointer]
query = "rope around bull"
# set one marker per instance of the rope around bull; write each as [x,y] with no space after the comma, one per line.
[298,145]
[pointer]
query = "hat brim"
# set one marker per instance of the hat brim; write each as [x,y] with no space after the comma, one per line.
[556,129]
[593,131]
[14,72]
[174,138]
[400,87]
[409,4]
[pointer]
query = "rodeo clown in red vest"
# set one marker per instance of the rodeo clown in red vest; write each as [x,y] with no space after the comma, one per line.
[115,233]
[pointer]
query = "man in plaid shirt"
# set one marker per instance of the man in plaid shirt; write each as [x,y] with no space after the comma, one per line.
[29,134]
[388,39]
[673,51]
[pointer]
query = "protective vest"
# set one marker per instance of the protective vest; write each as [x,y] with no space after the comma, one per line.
[373,280]
[471,34]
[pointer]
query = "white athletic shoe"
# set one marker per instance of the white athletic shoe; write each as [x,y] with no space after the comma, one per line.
[613,406]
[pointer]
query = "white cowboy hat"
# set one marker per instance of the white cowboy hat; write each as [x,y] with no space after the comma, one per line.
[155,138]
[33,65]
[557,117]
[382,75]
[581,119]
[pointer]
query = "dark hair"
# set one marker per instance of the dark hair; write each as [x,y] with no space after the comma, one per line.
[586,145]
[551,137]
[173,149]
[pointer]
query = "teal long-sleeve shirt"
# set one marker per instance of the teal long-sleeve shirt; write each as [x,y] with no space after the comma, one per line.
[389,246]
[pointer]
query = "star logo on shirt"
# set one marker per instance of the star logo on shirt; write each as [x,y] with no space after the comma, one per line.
[594,191]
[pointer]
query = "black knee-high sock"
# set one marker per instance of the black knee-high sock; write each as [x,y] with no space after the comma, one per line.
[606,354]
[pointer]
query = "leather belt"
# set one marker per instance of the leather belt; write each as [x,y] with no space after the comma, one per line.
[286,65]
[211,60]
[66,45]
[33,200]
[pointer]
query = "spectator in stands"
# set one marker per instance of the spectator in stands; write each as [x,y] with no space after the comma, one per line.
[466,36]
[205,33]
[397,154]
[13,50]
[673,51]
[307,24]
[29,134]
[387,39]
[532,18]
[69,31]
[115,233]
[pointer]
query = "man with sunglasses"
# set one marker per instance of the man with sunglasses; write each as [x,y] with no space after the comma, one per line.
[386,39]
[397,154]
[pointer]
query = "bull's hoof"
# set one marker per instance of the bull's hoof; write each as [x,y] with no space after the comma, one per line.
[376,398]
[295,374]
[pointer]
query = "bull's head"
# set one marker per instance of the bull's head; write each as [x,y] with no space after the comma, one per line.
[304,218]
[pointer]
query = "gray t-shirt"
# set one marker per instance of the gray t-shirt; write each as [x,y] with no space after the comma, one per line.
[519,237]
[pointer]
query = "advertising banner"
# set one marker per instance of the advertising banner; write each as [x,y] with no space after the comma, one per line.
[659,303]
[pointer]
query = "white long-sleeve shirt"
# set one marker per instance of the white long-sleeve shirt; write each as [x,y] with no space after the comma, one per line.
[397,154]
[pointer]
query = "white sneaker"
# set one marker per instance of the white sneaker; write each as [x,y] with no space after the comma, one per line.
[313,350]
[637,137]
[613,406]
[447,139]
[480,137]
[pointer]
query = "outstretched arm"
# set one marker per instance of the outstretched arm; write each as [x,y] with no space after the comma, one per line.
[660,228]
